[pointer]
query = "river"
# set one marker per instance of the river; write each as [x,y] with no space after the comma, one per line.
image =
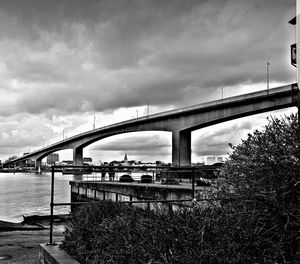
[29,193]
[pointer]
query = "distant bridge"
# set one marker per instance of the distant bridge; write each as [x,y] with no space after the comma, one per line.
[181,122]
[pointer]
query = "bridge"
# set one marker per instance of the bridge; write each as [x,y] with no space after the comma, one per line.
[181,122]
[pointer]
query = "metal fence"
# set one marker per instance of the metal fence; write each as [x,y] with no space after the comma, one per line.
[170,173]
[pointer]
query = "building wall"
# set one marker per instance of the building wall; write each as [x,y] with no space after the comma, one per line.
[93,191]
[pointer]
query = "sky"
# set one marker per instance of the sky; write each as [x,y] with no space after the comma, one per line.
[66,63]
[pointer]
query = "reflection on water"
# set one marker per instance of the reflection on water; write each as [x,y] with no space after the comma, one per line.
[29,193]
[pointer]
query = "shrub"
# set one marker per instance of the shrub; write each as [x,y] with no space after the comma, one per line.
[126,178]
[111,232]
[256,222]
[262,174]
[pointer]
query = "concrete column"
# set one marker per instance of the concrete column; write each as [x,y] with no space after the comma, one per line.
[181,148]
[78,156]
[38,165]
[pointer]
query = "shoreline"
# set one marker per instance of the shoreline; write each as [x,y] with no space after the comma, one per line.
[22,247]
[33,222]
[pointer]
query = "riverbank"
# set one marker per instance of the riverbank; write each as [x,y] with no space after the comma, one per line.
[21,247]
[19,241]
[33,222]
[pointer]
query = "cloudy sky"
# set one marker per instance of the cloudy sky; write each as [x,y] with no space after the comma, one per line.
[64,62]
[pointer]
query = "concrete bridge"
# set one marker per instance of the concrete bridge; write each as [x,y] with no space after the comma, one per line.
[181,122]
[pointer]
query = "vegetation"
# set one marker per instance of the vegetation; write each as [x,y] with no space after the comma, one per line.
[256,221]
[263,174]
[267,161]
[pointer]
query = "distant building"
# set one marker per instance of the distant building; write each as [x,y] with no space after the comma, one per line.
[209,160]
[67,162]
[199,163]
[219,159]
[87,160]
[12,158]
[52,158]
[30,163]
[125,158]
[124,162]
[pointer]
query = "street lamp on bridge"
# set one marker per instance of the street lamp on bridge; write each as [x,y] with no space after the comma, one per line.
[268,65]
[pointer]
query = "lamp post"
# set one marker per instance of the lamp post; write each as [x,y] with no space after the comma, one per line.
[222,92]
[148,107]
[268,64]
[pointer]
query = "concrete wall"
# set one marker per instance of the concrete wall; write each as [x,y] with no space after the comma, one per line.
[52,254]
[114,191]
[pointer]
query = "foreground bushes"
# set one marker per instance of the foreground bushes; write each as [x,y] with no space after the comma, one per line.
[116,233]
[257,221]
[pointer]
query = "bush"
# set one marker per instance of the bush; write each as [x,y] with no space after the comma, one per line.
[111,232]
[146,179]
[267,161]
[126,178]
[262,174]
[257,221]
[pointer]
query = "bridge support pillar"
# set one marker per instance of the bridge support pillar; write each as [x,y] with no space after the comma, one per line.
[38,165]
[181,148]
[78,156]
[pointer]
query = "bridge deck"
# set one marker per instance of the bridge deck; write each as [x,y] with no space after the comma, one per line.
[182,119]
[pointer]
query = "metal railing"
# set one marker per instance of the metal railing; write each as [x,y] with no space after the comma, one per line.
[190,169]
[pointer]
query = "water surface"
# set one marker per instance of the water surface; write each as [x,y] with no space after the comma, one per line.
[29,193]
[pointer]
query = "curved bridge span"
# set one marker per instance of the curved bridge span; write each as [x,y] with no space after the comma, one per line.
[181,122]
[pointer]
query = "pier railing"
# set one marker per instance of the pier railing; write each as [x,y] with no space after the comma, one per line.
[164,174]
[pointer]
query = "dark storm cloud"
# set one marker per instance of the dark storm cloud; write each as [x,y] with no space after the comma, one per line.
[108,20]
[62,58]
[111,54]
[36,71]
